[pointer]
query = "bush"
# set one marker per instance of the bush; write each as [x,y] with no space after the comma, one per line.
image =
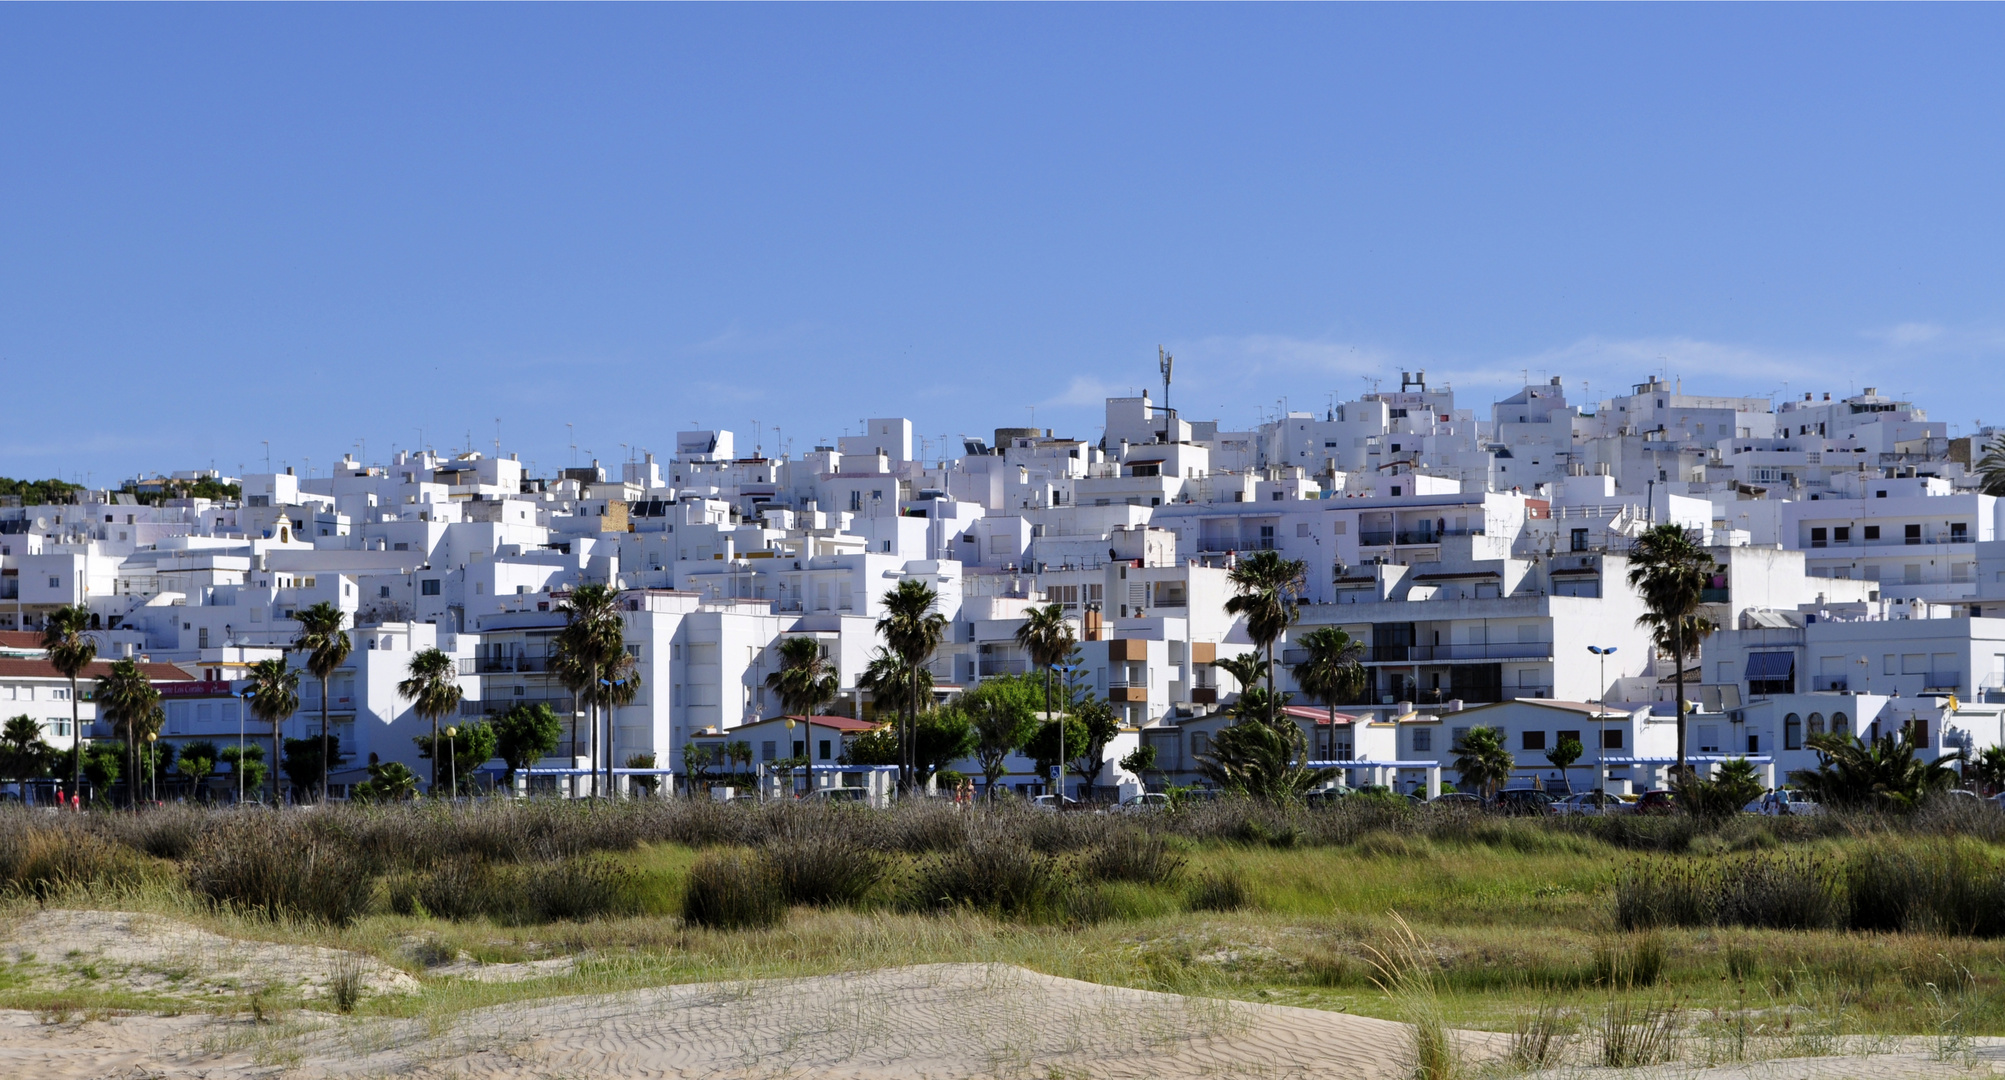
[825,869]
[732,890]
[279,867]
[1146,860]
[1002,876]
[1926,886]
[40,859]
[1219,892]
[1781,892]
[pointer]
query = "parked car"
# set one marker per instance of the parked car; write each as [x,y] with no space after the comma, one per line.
[1521,801]
[1328,796]
[1461,799]
[1783,802]
[1659,801]
[1591,803]
[1053,802]
[1146,802]
[838,795]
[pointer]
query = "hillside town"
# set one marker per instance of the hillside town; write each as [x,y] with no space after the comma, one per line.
[1478,563]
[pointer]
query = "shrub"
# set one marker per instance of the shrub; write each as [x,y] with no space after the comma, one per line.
[1002,876]
[1147,860]
[1219,892]
[1926,886]
[581,887]
[732,890]
[1640,962]
[41,860]
[825,869]
[280,867]
[1782,892]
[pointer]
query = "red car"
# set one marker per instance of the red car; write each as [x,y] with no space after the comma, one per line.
[1658,802]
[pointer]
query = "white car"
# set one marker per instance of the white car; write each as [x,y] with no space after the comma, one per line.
[1783,802]
[1152,800]
[1591,803]
[1051,802]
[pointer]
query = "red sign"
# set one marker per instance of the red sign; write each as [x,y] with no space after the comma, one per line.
[193,689]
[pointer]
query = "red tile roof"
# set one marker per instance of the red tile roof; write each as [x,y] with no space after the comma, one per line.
[22,668]
[20,639]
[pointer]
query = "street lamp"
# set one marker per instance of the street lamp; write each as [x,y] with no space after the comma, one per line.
[1058,771]
[452,761]
[152,766]
[1601,715]
[790,747]
[242,696]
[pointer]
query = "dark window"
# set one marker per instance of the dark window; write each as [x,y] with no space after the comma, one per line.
[1611,739]
[1564,736]
[1579,544]
[824,748]
[1912,534]
[1535,740]
[429,587]
[1841,535]
[1818,538]
[1872,532]
[1792,732]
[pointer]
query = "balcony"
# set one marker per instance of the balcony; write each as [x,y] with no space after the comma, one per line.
[1375,539]
[1436,654]
[510,665]
[1715,596]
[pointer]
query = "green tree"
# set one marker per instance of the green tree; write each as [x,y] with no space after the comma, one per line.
[1046,638]
[1261,761]
[248,762]
[698,761]
[127,698]
[1140,760]
[912,629]
[890,681]
[101,763]
[326,646]
[1567,751]
[525,735]
[39,492]
[1886,773]
[1482,762]
[302,765]
[1266,588]
[1670,571]
[23,754]
[274,698]
[1097,727]
[434,692]
[805,681]
[647,784]
[466,749]
[70,651]
[389,781]
[1333,673]
[198,760]
[939,738]
[1003,712]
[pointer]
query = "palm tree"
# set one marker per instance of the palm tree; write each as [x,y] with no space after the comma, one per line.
[891,681]
[1265,588]
[1261,761]
[433,690]
[912,629]
[806,680]
[1670,571]
[70,652]
[592,661]
[127,698]
[1885,773]
[1047,638]
[274,693]
[1334,670]
[1482,759]
[1991,467]
[326,646]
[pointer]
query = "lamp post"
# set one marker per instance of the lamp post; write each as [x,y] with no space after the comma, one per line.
[1058,772]
[608,684]
[1601,715]
[152,767]
[790,754]
[452,761]
[242,696]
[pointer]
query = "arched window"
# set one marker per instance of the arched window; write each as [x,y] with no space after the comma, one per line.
[1792,732]
[1840,724]
[1817,723]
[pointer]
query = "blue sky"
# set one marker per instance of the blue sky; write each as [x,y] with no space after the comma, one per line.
[324,225]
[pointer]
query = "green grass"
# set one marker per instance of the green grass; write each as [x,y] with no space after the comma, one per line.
[1521,917]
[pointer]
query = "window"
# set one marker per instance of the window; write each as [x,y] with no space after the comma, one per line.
[1819,537]
[1611,739]
[1958,532]
[1562,737]
[1342,527]
[1301,529]
[822,751]
[1792,732]
[1580,539]
[1534,740]
[1841,534]
[1816,723]
[1873,531]
[1839,723]
[55,582]
[1912,534]
[769,750]
[429,587]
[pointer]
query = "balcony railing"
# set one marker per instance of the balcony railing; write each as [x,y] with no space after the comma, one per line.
[510,665]
[1425,654]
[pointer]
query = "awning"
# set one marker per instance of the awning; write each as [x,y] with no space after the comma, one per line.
[1771,666]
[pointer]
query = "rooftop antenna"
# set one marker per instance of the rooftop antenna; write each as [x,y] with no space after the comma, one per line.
[1164,363]
[572,431]
[497,438]
[268,455]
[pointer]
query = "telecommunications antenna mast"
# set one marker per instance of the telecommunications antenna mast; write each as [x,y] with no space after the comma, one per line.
[1164,362]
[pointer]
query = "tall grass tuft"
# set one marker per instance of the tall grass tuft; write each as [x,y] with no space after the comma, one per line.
[1539,1038]
[1635,1034]
[281,866]
[733,890]
[1406,973]
[999,875]
[825,869]
[41,859]
[1628,965]
[1221,891]
[1932,886]
[1136,857]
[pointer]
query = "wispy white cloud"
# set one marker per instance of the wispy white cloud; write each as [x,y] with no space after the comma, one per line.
[736,339]
[1084,390]
[1907,334]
